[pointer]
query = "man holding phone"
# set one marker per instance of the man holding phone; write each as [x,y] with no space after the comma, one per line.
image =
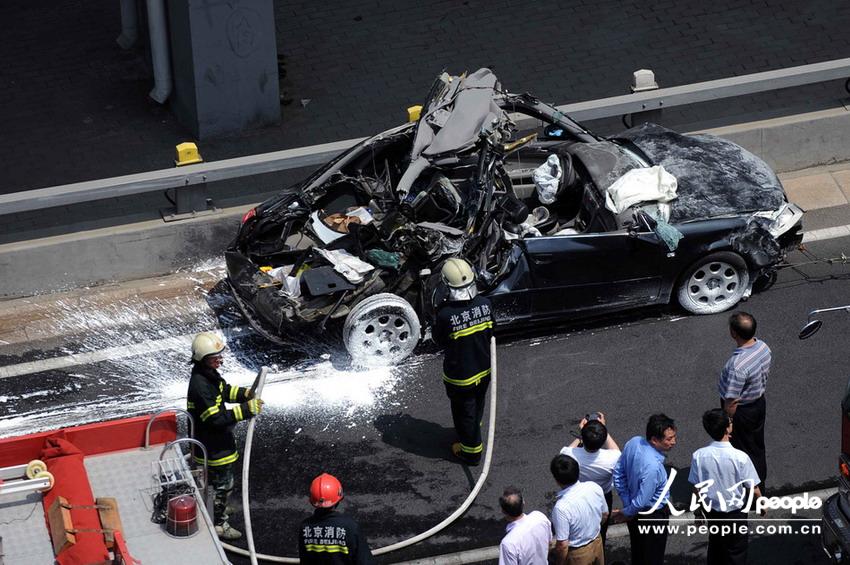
[597,454]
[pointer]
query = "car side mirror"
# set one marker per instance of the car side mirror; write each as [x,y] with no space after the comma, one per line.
[644,219]
[810,329]
[813,325]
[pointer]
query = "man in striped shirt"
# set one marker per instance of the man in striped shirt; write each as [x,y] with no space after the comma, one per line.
[741,387]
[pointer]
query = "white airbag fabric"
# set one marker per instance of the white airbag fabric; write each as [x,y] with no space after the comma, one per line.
[547,179]
[652,184]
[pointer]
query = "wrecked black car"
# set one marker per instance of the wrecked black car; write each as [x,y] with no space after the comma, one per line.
[559,223]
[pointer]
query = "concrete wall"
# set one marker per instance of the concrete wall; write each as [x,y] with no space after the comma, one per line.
[154,248]
[795,142]
[129,252]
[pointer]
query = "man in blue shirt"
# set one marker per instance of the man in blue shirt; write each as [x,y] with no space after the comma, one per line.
[641,481]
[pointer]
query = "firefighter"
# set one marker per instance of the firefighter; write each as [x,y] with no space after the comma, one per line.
[214,423]
[463,327]
[329,537]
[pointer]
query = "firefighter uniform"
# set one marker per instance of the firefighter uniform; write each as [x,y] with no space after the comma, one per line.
[464,328]
[208,393]
[329,537]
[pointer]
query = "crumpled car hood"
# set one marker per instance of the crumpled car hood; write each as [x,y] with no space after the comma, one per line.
[715,177]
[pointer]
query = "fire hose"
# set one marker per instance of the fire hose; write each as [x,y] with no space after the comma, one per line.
[246,465]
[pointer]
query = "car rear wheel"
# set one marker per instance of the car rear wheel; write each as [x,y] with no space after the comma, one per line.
[713,284]
[382,329]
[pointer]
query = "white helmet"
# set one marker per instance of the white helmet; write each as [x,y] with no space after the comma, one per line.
[457,273]
[206,344]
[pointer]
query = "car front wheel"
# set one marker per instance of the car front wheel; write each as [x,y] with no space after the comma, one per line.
[713,284]
[381,330]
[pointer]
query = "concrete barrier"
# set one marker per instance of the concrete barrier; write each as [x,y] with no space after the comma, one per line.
[154,248]
[795,142]
[127,252]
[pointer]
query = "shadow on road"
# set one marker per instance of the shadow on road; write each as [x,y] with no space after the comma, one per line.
[416,436]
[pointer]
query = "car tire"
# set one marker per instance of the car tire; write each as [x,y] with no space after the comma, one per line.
[715,283]
[765,281]
[381,330]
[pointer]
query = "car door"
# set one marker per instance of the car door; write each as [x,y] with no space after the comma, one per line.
[593,272]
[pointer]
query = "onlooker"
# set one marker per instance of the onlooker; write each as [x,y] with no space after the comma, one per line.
[741,387]
[597,453]
[578,516]
[527,536]
[640,480]
[329,537]
[723,472]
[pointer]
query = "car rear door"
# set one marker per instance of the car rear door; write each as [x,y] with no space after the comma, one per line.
[586,273]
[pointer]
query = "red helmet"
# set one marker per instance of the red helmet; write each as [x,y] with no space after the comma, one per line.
[325,491]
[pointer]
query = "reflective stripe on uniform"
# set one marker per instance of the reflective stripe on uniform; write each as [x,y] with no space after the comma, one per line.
[218,462]
[471,330]
[234,393]
[326,548]
[473,380]
[190,405]
[477,449]
[237,413]
[212,410]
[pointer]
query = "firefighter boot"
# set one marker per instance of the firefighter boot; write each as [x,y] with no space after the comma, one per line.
[457,451]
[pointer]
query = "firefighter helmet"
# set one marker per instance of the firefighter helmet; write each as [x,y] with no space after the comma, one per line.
[325,491]
[457,273]
[205,345]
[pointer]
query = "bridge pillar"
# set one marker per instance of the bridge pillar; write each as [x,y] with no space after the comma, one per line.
[224,58]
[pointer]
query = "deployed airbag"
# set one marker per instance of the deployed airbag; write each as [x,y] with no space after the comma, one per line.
[715,177]
[652,184]
[547,179]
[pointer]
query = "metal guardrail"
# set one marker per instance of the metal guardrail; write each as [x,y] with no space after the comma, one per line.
[202,173]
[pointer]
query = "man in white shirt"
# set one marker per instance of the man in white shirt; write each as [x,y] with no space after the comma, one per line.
[527,536]
[722,477]
[597,454]
[577,518]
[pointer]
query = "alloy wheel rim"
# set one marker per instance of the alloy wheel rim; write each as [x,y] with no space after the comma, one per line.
[383,335]
[716,283]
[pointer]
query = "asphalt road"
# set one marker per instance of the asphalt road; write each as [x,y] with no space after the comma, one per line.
[385,432]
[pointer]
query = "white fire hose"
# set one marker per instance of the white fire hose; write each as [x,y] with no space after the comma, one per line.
[257,391]
[491,433]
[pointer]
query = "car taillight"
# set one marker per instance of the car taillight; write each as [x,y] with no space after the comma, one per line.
[845,469]
[249,214]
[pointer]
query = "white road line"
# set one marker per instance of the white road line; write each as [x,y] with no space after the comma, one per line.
[142,348]
[826,233]
[182,342]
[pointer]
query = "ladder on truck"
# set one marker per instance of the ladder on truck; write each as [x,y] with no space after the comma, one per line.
[33,476]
